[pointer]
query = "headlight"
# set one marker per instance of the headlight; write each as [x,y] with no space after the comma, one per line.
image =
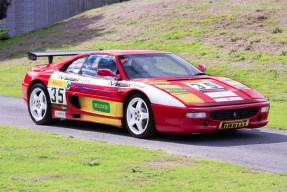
[264,109]
[196,115]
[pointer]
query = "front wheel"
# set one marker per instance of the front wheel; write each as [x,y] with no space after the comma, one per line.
[39,105]
[139,117]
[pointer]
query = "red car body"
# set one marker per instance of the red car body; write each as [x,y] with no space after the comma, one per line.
[218,102]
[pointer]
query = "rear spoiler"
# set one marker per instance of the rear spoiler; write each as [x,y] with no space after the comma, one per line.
[33,56]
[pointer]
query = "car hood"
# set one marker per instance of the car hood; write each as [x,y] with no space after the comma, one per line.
[211,91]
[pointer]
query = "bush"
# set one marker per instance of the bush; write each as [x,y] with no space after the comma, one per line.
[277,30]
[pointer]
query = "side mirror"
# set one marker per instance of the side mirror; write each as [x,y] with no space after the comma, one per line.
[107,73]
[201,68]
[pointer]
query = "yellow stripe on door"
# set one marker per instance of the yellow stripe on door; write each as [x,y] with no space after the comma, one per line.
[103,120]
[101,107]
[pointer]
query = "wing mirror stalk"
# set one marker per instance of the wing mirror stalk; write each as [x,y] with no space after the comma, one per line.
[107,73]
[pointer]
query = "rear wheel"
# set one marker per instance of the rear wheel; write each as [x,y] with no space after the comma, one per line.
[139,117]
[39,105]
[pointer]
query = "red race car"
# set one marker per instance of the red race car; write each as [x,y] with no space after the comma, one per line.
[145,91]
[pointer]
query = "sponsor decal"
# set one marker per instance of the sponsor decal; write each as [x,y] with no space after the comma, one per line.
[59,107]
[90,90]
[60,114]
[97,106]
[233,124]
[125,84]
[68,77]
[57,83]
[101,106]
[119,84]
[85,80]
[69,84]
[177,90]
[140,86]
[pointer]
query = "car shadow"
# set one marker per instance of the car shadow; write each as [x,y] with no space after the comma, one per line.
[91,127]
[228,138]
[217,139]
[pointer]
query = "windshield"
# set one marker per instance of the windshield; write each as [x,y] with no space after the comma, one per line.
[156,66]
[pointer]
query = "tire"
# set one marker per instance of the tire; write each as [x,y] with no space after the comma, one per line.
[39,105]
[138,117]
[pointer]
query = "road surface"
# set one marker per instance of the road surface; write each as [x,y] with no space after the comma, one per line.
[261,149]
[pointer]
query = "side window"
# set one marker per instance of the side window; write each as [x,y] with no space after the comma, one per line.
[76,65]
[90,66]
[107,62]
[95,62]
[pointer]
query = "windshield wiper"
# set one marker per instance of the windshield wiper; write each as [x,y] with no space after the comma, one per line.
[200,74]
[185,78]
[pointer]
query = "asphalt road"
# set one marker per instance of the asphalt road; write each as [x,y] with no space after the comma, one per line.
[262,149]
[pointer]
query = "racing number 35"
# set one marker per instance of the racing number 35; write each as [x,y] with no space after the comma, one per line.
[57,95]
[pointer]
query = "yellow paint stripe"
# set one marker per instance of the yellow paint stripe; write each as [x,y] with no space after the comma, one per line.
[194,81]
[177,93]
[116,108]
[159,82]
[57,83]
[189,98]
[103,120]
[222,78]
[169,86]
[231,82]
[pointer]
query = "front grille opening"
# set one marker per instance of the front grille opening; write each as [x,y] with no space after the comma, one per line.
[234,114]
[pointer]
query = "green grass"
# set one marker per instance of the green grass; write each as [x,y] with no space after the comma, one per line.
[36,161]
[277,114]
[245,41]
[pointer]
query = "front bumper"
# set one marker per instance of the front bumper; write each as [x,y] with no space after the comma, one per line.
[173,119]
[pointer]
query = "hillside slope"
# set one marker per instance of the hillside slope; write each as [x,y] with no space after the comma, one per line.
[242,39]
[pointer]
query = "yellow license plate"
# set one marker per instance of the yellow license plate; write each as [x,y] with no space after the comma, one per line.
[233,124]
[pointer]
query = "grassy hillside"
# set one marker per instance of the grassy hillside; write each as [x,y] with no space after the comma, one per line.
[242,39]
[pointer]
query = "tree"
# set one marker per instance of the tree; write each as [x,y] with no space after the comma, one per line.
[4,4]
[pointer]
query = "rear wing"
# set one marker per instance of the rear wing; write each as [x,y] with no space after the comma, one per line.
[33,56]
